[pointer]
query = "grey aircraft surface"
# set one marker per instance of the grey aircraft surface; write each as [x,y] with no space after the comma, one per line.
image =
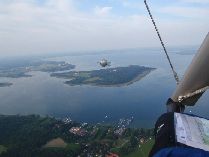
[104,63]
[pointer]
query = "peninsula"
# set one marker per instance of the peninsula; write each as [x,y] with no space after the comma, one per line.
[5,84]
[119,76]
[43,66]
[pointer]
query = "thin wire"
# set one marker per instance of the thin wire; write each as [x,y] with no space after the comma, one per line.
[162,43]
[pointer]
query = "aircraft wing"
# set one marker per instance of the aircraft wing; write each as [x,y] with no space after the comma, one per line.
[196,79]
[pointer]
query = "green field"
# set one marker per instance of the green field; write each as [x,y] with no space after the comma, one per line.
[143,151]
[2,149]
[73,147]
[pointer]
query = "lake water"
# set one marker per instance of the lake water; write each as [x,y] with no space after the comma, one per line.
[145,99]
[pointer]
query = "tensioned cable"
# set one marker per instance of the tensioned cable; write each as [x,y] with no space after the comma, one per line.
[162,43]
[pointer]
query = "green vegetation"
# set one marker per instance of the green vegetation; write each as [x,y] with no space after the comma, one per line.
[143,151]
[106,77]
[31,136]
[51,66]
[2,149]
[73,147]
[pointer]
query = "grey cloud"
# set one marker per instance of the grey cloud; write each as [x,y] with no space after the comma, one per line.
[57,26]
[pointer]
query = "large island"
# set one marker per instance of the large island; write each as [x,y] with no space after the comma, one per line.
[119,76]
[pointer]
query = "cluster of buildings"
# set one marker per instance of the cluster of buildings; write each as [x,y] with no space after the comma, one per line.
[125,122]
[122,125]
[67,120]
[119,131]
[78,131]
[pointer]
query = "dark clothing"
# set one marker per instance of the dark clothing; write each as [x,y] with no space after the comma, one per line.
[165,141]
[164,133]
[181,152]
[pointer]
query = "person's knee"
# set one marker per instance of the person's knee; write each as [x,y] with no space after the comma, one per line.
[164,133]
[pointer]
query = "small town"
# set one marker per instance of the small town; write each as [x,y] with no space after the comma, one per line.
[111,141]
[65,137]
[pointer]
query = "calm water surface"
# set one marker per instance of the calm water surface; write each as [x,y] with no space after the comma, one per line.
[145,99]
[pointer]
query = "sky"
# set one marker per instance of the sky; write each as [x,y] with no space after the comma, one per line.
[46,26]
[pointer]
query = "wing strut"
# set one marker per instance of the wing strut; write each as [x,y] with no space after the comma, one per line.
[162,43]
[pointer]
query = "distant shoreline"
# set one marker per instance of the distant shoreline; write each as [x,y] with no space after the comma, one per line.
[43,66]
[5,84]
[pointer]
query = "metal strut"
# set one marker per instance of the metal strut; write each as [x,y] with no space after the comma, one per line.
[189,95]
[162,43]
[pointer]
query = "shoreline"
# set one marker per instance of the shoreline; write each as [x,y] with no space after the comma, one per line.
[137,78]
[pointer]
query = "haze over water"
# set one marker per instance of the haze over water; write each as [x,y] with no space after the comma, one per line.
[144,100]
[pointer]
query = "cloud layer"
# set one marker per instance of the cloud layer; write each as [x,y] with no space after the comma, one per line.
[35,26]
